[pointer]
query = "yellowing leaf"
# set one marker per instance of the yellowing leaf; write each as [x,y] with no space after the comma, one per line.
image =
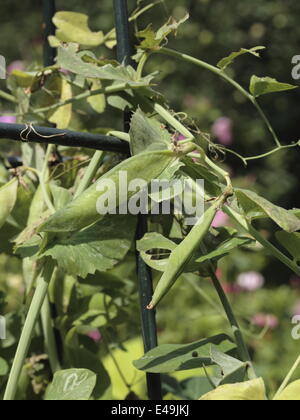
[246,391]
[291,393]
[97,102]
[73,27]
[62,115]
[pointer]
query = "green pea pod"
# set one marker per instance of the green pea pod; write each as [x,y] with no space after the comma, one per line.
[82,212]
[184,251]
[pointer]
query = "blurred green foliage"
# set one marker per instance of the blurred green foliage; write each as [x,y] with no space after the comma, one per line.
[215,28]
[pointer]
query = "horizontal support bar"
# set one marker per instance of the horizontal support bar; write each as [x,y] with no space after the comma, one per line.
[48,135]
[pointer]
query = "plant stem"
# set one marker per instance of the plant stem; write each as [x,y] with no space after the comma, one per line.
[241,221]
[43,176]
[278,149]
[287,379]
[241,345]
[90,172]
[27,332]
[49,337]
[223,75]
[8,97]
[85,95]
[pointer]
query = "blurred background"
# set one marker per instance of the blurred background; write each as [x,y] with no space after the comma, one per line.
[265,295]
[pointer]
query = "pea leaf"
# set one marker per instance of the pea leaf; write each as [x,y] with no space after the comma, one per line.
[99,247]
[71,385]
[147,134]
[62,115]
[232,370]
[263,85]
[247,391]
[152,40]
[291,393]
[73,27]
[68,59]
[8,197]
[97,102]
[225,62]
[254,205]
[291,241]
[4,368]
[176,357]
[155,250]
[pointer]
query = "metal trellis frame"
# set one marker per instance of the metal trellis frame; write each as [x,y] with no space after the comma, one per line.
[144,274]
[46,135]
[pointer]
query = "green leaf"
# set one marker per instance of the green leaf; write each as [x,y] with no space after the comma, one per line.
[263,85]
[152,40]
[291,241]
[247,391]
[99,247]
[61,196]
[175,357]
[232,370]
[71,385]
[291,393]
[254,206]
[68,59]
[225,62]
[4,368]
[73,27]
[8,198]
[97,102]
[96,311]
[189,389]
[147,134]
[155,250]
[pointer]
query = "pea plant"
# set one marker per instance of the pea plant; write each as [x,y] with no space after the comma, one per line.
[81,262]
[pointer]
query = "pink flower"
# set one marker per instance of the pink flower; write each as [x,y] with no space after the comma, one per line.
[220,220]
[231,289]
[16,65]
[251,281]
[8,119]
[222,129]
[265,320]
[95,335]
[296,310]
[295,281]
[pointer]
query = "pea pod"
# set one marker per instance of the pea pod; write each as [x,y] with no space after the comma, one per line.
[184,251]
[82,212]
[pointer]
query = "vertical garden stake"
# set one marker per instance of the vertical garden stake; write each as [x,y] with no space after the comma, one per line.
[149,329]
[48,312]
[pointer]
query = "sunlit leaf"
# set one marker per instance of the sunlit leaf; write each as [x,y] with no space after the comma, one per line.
[71,385]
[253,205]
[291,393]
[62,115]
[246,391]
[99,247]
[73,27]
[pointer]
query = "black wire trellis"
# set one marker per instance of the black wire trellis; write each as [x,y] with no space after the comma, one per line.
[46,135]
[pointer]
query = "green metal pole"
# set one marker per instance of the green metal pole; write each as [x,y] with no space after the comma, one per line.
[149,329]
[49,29]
